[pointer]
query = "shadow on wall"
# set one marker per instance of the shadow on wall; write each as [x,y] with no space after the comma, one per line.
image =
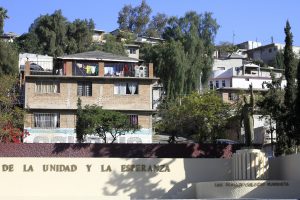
[140,184]
[170,184]
[201,170]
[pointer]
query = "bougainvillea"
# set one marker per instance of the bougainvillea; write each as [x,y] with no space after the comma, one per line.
[11,134]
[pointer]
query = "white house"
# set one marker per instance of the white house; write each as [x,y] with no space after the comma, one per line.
[232,76]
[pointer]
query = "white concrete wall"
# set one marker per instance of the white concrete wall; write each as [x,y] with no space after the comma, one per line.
[46,62]
[244,82]
[227,63]
[105,184]
[285,167]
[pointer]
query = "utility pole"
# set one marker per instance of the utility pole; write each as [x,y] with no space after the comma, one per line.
[200,83]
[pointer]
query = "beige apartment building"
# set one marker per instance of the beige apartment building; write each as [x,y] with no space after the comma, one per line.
[114,82]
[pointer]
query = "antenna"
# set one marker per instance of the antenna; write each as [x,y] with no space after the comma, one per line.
[233,36]
[272,39]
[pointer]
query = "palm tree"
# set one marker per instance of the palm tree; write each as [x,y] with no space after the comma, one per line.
[3,16]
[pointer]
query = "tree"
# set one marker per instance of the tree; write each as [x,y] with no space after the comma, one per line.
[202,117]
[8,58]
[290,89]
[112,45]
[226,47]
[54,35]
[186,56]
[170,57]
[278,61]
[126,18]
[28,42]
[3,16]
[51,33]
[11,116]
[108,125]
[157,25]
[271,107]
[79,35]
[79,122]
[135,19]
[297,109]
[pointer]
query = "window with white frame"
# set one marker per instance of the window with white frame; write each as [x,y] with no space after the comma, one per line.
[47,87]
[126,88]
[46,120]
[223,83]
[133,120]
[217,84]
[84,88]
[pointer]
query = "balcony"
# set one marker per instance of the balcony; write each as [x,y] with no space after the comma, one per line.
[125,70]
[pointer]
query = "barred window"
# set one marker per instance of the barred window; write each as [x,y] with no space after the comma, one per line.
[134,120]
[47,87]
[126,88]
[46,120]
[84,89]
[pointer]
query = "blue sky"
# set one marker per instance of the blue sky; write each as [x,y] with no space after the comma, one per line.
[248,20]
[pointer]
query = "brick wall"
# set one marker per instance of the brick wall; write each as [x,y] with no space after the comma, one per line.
[102,95]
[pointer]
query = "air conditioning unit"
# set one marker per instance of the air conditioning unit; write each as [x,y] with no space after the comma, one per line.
[143,71]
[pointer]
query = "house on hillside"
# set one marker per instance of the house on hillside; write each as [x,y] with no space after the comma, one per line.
[99,36]
[9,37]
[267,53]
[231,78]
[114,82]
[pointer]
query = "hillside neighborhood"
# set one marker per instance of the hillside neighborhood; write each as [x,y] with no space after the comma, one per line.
[143,73]
[149,100]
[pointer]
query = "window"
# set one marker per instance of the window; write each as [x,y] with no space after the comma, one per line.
[223,83]
[233,96]
[133,120]
[47,87]
[84,89]
[270,50]
[217,84]
[132,51]
[126,88]
[211,85]
[46,120]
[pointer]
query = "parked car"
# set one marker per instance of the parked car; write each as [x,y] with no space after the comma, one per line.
[225,141]
[33,67]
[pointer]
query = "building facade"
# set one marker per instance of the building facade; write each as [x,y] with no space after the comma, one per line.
[113,82]
[267,53]
[231,78]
